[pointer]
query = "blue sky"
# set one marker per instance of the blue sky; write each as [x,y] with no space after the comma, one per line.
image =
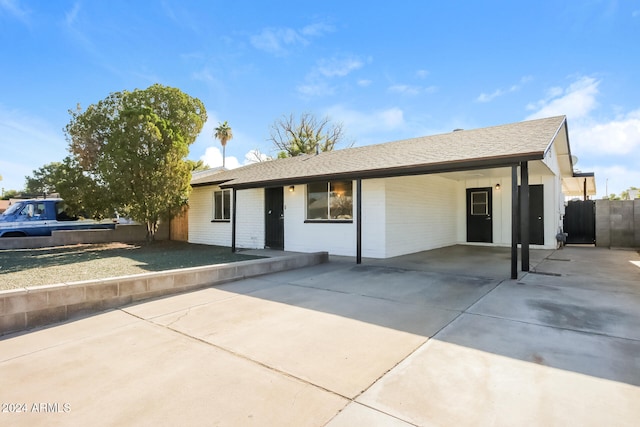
[386,70]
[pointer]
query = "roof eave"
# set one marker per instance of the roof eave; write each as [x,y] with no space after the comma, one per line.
[425,169]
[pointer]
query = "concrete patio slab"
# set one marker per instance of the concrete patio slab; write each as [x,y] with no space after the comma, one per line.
[359,415]
[340,342]
[608,270]
[454,292]
[483,371]
[607,313]
[154,376]
[464,260]
[448,343]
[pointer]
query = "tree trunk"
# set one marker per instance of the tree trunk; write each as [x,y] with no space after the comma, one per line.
[152,228]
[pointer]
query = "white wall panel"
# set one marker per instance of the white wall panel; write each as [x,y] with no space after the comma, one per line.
[250,228]
[420,214]
[201,229]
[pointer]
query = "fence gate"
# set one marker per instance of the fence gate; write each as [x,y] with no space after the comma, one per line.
[580,221]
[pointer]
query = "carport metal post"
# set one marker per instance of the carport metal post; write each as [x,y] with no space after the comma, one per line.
[514,222]
[359,221]
[524,214]
[233,222]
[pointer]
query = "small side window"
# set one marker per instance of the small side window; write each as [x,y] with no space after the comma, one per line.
[222,205]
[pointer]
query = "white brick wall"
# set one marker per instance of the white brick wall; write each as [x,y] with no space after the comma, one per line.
[201,229]
[336,238]
[374,215]
[250,233]
[420,214]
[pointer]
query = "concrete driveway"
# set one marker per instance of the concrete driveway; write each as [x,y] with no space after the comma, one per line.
[391,343]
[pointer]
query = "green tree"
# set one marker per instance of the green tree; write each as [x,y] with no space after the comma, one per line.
[131,148]
[224,133]
[45,180]
[197,165]
[9,194]
[625,195]
[306,135]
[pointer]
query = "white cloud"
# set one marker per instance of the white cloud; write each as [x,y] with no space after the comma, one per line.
[72,15]
[488,97]
[364,82]
[318,29]
[620,136]
[484,97]
[411,90]
[27,142]
[316,89]
[213,158]
[338,67]
[610,147]
[366,123]
[14,8]
[576,102]
[278,41]
[614,179]
[423,74]
[327,69]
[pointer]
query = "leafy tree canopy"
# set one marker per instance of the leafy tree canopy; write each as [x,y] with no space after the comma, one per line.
[307,135]
[9,194]
[129,150]
[44,180]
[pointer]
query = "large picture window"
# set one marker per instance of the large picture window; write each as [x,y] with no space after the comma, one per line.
[222,205]
[329,201]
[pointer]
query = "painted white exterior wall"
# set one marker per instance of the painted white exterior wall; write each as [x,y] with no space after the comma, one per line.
[250,229]
[201,229]
[301,236]
[419,214]
[401,215]
[250,217]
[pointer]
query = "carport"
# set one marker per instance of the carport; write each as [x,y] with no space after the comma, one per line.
[525,156]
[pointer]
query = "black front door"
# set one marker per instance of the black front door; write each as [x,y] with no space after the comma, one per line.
[479,209]
[274,218]
[536,215]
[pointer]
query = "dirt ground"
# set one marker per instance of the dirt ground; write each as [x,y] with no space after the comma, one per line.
[32,267]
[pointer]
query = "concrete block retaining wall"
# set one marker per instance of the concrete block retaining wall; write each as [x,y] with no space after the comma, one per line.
[122,233]
[618,223]
[27,308]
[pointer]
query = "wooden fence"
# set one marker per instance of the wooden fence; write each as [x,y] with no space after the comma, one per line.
[179,228]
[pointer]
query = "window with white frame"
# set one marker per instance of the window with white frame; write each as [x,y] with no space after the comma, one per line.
[330,201]
[222,205]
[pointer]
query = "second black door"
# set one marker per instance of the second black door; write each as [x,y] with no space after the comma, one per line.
[536,215]
[274,217]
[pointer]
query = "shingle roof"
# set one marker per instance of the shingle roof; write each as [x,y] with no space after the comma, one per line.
[465,149]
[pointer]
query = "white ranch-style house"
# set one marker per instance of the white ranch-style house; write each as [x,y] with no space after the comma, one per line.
[488,186]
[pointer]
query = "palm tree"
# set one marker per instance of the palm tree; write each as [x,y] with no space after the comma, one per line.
[224,134]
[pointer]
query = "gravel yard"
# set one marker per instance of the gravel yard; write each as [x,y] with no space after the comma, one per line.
[31,267]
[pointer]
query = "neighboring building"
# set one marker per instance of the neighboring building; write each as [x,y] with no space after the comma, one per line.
[412,195]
